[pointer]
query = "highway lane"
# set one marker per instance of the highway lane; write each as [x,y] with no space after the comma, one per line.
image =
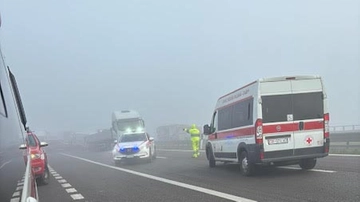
[105,183]
[12,169]
[98,183]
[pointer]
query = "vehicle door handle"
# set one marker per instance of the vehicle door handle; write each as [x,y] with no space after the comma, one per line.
[301,125]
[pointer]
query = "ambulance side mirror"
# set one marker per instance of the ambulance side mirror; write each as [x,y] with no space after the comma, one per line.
[207,130]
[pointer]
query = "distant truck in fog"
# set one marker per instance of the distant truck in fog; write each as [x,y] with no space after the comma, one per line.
[101,140]
[127,121]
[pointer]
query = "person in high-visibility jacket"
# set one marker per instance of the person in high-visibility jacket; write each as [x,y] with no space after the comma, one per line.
[195,139]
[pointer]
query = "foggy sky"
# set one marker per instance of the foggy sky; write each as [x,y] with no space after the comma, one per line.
[77,61]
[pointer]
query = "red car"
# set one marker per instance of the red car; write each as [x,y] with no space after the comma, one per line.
[39,163]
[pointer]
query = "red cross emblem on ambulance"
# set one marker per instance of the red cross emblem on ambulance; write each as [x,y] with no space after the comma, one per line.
[308,140]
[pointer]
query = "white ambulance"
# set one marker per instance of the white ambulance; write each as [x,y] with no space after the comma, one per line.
[272,121]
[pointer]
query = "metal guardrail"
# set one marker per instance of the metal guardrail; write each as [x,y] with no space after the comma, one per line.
[338,140]
[30,188]
[345,128]
[178,144]
[345,140]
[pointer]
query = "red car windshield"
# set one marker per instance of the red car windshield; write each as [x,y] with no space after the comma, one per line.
[31,141]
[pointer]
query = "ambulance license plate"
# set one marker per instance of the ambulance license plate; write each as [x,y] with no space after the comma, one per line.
[130,156]
[283,140]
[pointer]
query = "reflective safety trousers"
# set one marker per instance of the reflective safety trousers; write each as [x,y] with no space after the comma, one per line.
[195,144]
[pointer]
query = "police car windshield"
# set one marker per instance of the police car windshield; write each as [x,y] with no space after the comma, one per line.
[132,124]
[133,137]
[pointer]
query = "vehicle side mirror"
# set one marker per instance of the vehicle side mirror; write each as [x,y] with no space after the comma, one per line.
[22,146]
[151,139]
[207,130]
[43,144]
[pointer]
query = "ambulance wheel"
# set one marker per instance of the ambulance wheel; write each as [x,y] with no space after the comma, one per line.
[307,164]
[210,157]
[246,168]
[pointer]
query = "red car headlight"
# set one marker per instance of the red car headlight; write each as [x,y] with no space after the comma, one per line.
[35,156]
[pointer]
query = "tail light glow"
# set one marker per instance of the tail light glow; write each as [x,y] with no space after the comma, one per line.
[326,126]
[259,131]
[261,155]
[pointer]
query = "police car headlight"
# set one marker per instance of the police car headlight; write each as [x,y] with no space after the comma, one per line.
[139,129]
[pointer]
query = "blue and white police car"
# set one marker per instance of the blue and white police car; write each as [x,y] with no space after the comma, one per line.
[132,146]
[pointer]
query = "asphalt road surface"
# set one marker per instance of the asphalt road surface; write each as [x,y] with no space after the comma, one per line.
[80,175]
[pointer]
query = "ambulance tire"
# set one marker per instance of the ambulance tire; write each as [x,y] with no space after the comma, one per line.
[210,157]
[307,164]
[246,168]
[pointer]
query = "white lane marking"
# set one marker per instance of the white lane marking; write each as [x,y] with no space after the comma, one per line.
[71,190]
[178,150]
[77,196]
[66,185]
[20,183]
[313,170]
[172,182]
[4,164]
[19,188]
[15,199]
[347,155]
[62,181]
[68,188]
[161,157]
[16,194]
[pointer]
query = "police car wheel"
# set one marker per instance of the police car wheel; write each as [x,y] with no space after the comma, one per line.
[154,154]
[246,168]
[307,164]
[150,158]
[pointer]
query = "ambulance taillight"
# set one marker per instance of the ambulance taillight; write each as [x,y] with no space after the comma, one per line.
[259,131]
[326,126]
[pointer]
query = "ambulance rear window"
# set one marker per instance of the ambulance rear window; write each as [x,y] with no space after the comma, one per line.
[302,106]
[308,106]
[275,108]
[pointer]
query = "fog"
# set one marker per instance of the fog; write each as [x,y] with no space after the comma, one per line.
[77,61]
